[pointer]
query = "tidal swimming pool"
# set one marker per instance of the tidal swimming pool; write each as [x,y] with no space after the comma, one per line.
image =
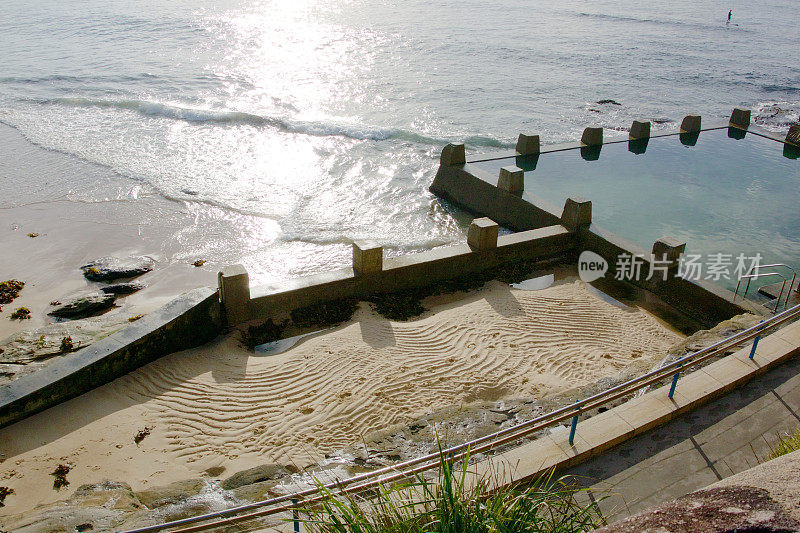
[719,194]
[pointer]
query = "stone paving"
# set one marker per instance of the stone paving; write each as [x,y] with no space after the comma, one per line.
[722,438]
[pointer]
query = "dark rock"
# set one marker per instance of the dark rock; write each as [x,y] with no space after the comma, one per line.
[123,288]
[111,268]
[712,510]
[83,305]
[255,475]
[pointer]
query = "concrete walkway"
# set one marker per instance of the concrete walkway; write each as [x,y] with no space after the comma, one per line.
[722,438]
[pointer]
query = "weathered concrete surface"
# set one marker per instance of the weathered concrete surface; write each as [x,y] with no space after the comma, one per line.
[188,321]
[780,477]
[717,510]
[725,437]
[410,271]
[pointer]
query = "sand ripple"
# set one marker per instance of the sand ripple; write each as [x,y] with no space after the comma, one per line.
[327,391]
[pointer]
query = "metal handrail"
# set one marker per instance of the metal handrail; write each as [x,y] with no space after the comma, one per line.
[428,462]
[750,276]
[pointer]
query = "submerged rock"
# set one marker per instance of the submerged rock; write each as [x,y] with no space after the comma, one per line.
[111,268]
[84,305]
[123,288]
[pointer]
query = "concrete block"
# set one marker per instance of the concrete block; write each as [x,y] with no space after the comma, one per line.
[640,129]
[691,123]
[482,234]
[740,117]
[512,179]
[528,144]
[453,154]
[577,213]
[793,135]
[669,249]
[367,257]
[592,136]
[234,291]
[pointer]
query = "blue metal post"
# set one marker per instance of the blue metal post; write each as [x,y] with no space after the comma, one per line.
[295,517]
[674,383]
[574,427]
[755,345]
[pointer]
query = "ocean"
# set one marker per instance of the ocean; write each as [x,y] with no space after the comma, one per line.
[295,127]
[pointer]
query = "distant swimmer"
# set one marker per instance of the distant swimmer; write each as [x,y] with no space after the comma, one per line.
[729,15]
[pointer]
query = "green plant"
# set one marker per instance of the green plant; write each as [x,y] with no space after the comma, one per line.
[456,503]
[786,444]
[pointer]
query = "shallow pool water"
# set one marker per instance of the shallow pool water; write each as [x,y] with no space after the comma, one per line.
[717,193]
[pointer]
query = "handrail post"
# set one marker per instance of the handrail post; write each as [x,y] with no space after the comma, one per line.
[674,383]
[295,516]
[755,344]
[574,427]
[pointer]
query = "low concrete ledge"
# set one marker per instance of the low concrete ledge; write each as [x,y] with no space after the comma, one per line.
[606,430]
[410,271]
[476,191]
[703,301]
[187,321]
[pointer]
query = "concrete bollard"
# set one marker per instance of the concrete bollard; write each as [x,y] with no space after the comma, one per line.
[667,253]
[512,179]
[640,129]
[527,144]
[691,124]
[234,292]
[592,136]
[793,135]
[482,234]
[577,213]
[740,117]
[453,154]
[367,258]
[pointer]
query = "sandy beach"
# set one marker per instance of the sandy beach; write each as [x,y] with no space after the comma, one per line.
[219,408]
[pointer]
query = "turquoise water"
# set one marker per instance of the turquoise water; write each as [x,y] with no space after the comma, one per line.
[302,125]
[722,195]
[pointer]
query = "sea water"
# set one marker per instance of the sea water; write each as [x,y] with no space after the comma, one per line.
[306,124]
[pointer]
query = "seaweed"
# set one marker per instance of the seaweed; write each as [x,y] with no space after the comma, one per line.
[134,318]
[325,314]
[33,235]
[398,305]
[22,313]
[67,345]
[60,476]
[265,332]
[9,290]
[199,262]
[139,437]
[5,491]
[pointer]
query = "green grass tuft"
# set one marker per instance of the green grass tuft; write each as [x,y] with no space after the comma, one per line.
[453,504]
[787,444]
